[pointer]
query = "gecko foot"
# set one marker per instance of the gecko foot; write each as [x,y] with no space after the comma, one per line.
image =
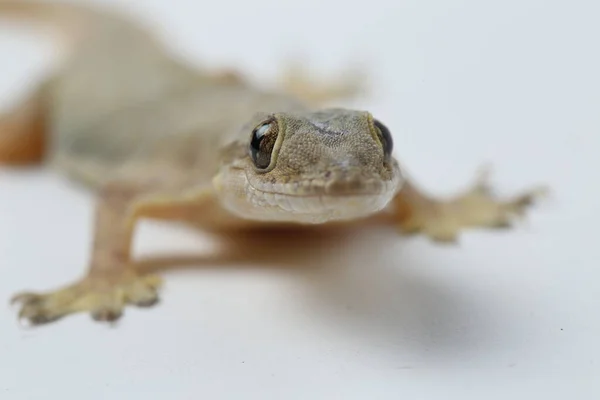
[479,207]
[297,81]
[103,296]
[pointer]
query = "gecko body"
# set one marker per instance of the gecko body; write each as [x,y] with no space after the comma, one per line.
[156,138]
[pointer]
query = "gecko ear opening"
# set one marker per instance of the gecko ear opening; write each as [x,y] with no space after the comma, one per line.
[262,143]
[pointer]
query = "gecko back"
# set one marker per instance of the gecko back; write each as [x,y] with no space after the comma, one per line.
[119,97]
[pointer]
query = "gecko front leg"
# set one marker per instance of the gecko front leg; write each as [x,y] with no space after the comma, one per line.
[442,220]
[112,281]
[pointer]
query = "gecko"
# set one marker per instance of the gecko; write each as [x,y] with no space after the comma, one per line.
[154,137]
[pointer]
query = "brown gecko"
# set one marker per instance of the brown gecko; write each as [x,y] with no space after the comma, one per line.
[156,138]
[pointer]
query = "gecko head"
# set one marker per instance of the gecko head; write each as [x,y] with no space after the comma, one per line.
[310,167]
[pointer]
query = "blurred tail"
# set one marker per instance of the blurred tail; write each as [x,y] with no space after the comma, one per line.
[23,138]
[71,22]
[23,129]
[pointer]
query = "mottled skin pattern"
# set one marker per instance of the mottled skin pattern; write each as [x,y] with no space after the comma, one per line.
[159,139]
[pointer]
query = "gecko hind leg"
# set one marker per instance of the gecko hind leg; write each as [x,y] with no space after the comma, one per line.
[23,131]
[297,80]
[479,207]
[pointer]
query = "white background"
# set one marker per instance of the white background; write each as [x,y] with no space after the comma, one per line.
[503,315]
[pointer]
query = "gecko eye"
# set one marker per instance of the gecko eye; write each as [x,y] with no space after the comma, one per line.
[385,137]
[262,143]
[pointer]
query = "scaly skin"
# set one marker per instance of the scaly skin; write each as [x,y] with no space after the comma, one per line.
[158,139]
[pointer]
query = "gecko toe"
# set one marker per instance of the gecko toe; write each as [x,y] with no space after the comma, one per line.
[36,313]
[144,291]
[143,294]
[25,298]
[147,302]
[106,314]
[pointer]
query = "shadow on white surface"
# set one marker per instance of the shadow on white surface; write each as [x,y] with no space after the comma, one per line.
[360,284]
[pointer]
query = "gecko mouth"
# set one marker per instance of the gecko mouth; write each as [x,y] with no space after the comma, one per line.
[320,200]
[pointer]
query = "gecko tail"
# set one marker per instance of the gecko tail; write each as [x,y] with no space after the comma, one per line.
[23,129]
[107,56]
[23,134]
[70,23]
